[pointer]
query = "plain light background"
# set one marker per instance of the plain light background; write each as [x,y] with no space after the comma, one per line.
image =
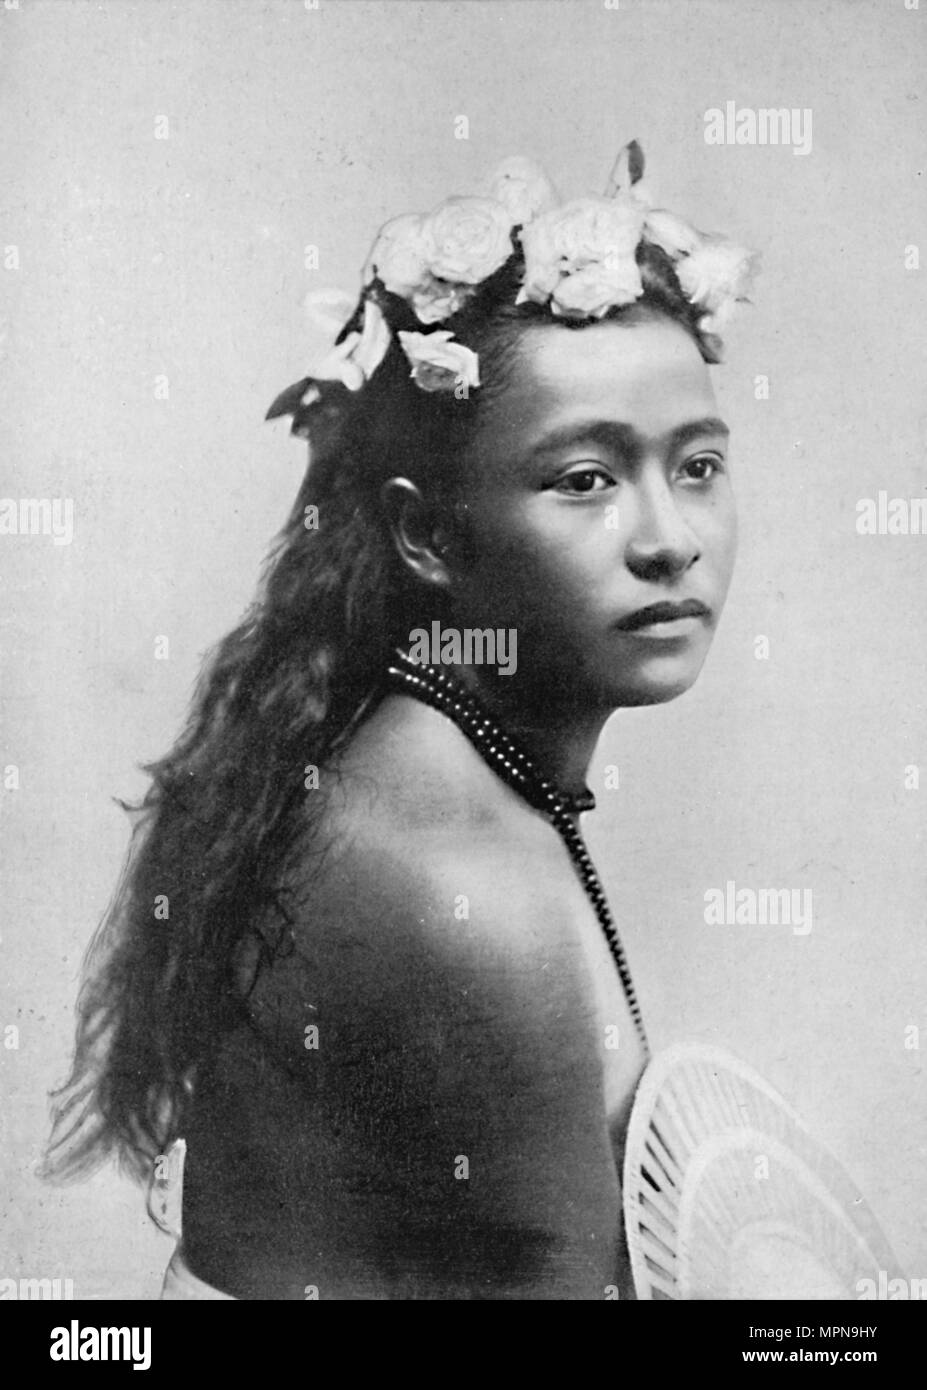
[185,257]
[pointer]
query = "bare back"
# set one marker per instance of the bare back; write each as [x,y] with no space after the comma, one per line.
[427,1099]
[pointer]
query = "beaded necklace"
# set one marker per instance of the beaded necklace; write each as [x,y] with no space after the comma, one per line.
[442,692]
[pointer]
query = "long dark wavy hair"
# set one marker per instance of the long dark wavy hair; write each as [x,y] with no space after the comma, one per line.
[228,806]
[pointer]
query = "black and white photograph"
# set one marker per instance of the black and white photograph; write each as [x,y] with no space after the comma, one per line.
[463,739]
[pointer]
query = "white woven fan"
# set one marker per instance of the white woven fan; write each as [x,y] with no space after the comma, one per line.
[727,1195]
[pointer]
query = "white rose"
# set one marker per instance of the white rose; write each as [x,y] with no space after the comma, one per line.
[591,292]
[466,239]
[581,233]
[523,189]
[438,363]
[717,271]
[399,256]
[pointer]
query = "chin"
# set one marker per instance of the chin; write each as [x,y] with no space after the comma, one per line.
[651,696]
[654,688]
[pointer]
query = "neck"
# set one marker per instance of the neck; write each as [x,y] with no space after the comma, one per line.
[561,740]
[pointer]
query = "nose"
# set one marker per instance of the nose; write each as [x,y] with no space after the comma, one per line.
[662,544]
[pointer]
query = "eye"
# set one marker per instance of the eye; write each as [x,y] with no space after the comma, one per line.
[701,468]
[583,480]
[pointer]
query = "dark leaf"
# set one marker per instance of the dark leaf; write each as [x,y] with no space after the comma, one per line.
[635,161]
[287,403]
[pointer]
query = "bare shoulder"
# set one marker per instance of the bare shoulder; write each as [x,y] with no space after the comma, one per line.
[428,863]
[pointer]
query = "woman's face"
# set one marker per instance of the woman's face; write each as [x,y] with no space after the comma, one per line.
[599,488]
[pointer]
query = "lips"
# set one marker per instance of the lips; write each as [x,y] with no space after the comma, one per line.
[663,613]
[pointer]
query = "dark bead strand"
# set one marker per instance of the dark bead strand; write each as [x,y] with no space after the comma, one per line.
[440,690]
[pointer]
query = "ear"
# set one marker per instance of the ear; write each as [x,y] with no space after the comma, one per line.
[419,534]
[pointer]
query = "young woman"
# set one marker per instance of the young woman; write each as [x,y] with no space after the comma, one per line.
[360,960]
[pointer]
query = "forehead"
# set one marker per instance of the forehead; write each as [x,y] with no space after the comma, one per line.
[648,374]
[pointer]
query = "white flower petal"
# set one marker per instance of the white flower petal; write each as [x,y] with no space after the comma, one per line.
[399,256]
[438,363]
[522,187]
[374,342]
[673,234]
[716,271]
[591,292]
[467,239]
[329,309]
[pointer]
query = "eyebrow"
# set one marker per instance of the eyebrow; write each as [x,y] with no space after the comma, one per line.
[623,438]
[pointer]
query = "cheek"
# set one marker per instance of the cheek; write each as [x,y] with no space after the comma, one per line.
[716,527]
[532,544]
[727,535]
[531,569]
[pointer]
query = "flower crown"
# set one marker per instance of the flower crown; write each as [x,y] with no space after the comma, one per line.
[579,259]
